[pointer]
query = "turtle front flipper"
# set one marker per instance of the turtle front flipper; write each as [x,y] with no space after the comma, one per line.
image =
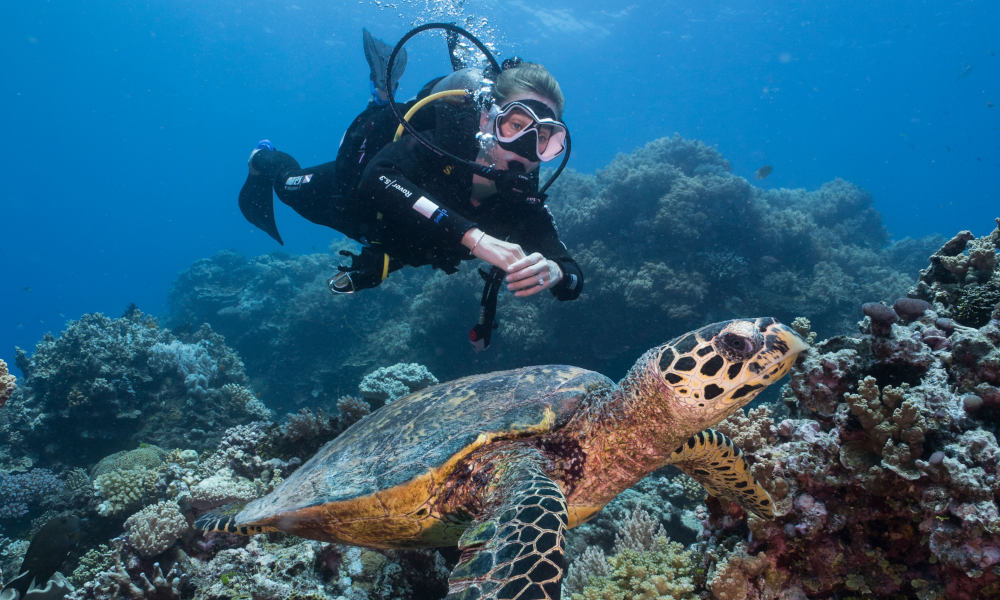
[715,461]
[514,549]
[216,522]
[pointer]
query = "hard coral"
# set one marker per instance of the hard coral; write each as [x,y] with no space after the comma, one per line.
[664,572]
[8,383]
[389,383]
[885,475]
[19,490]
[109,384]
[155,528]
[962,279]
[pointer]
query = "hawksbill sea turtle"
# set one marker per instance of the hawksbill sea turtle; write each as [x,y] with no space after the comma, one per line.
[503,463]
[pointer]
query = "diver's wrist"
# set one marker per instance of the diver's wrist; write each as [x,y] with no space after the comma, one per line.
[472,238]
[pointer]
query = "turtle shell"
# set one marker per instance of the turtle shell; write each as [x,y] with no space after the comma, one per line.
[375,484]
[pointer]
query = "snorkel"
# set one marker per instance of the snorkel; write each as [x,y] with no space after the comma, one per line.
[514,179]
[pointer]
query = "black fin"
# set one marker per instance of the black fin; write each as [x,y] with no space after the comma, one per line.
[257,205]
[377,54]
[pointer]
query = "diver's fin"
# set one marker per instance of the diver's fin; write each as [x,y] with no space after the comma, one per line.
[257,204]
[211,521]
[377,54]
[716,463]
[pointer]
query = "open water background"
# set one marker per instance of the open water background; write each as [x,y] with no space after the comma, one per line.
[126,125]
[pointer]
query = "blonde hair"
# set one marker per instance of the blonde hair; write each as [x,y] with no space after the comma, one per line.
[529,77]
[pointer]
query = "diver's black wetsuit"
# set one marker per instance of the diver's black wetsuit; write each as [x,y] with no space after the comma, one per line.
[324,194]
[380,211]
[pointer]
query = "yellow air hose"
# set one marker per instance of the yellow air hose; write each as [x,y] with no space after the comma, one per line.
[409,114]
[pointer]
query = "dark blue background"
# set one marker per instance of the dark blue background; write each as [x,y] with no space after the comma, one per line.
[126,125]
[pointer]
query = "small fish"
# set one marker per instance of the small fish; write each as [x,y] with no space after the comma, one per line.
[964,72]
[27,288]
[767,259]
[989,105]
[763,172]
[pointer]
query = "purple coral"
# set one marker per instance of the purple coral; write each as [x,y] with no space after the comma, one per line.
[19,490]
[882,317]
[910,308]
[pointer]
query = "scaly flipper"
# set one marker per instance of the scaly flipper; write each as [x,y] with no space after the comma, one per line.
[715,461]
[209,522]
[514,550]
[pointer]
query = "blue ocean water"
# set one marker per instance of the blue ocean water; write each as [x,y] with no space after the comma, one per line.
[127,124]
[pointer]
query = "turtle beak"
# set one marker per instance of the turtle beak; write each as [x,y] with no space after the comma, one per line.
[782,347]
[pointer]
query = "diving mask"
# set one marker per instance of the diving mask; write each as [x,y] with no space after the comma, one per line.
[529,129]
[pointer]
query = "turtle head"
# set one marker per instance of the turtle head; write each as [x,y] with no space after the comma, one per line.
[714,370]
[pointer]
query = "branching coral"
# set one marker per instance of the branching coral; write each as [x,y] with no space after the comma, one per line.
[123,490]
[664,572]
[19,490]
[114,572]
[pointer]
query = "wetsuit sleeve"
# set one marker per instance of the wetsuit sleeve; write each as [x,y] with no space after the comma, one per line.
[407,208]
[541,236]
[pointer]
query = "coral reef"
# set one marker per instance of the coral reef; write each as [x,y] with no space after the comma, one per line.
[886,471]
[962,279]
[882,458]
[701,245]
[109,384]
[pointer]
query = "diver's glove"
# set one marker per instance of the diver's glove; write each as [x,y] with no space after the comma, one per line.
[367,270]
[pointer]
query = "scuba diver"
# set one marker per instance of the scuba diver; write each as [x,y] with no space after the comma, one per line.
[462,184]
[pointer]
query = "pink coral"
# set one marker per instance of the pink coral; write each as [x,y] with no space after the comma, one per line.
[885,476]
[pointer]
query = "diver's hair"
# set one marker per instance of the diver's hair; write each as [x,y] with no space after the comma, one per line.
[529,77]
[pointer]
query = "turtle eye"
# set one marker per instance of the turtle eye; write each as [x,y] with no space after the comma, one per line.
[735,346]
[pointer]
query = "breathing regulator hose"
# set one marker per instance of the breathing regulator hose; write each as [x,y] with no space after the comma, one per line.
[505,178]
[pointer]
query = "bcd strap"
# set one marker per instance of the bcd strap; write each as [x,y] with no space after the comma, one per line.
[482,332]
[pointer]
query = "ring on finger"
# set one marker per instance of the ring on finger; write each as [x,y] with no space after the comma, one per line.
[541,280]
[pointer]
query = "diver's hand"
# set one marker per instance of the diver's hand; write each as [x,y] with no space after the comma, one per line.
[532,274]
[494,251]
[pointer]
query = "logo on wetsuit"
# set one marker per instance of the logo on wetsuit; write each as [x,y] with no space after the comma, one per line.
[391,183]
[294,183]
